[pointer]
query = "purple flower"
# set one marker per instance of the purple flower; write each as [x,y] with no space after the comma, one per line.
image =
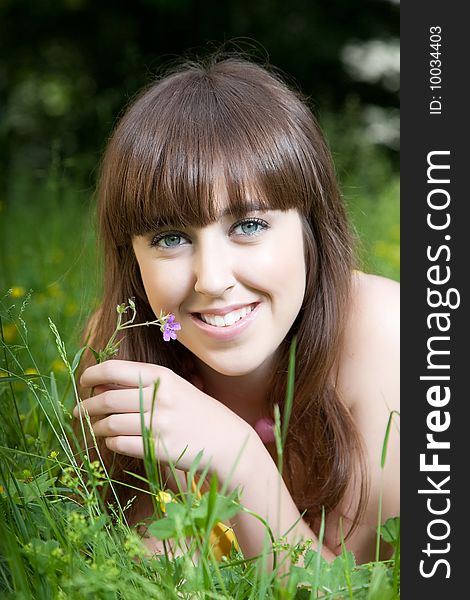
[169,328]
[265,429]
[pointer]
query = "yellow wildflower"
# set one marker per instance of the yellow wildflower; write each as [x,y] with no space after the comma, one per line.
[164,498]
[9,332]
[30,371]
[71,308]
[58,365]
[18,291]
[55,291]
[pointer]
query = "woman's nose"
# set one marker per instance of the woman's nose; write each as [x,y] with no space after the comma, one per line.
[213,269]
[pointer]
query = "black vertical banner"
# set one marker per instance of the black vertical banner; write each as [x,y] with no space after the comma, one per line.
[435,420]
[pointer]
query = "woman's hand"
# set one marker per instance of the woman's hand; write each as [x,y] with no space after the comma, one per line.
[183,417]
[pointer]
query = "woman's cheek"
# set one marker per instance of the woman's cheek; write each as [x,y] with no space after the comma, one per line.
[273,268]
[285,270]
[166,286]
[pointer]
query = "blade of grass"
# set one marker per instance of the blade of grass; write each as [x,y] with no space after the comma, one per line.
[290,390]
[382,465]
[316,573]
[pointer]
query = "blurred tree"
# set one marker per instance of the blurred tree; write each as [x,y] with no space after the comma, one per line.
[67,67]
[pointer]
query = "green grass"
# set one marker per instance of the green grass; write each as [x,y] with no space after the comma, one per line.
[52,546]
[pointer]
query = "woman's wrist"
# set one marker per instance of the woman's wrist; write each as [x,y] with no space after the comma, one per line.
[247,458]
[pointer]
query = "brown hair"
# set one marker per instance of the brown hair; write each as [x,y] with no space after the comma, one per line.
[158,168]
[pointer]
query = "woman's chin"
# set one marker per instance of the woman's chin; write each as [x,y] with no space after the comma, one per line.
[237,365]
[230,370]
[233,366]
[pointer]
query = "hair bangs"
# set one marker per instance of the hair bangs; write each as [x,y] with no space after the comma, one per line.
[270,174]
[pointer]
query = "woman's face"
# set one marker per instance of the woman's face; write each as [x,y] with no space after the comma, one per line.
[211,277]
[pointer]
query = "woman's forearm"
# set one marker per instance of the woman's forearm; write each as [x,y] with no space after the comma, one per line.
[265,494]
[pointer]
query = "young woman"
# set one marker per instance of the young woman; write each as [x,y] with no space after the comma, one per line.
[218,203]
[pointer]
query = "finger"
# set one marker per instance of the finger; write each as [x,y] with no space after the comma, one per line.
[115,401]
[122,373]
[100,389]
[116,425]
[129,445]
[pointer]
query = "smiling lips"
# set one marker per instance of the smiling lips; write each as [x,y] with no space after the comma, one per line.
[227,319]
[229,325]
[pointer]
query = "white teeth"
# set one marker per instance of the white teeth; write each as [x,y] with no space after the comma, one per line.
[228,319]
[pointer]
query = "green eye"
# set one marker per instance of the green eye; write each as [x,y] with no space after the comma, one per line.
[251,226]
[171,240]
[167,240]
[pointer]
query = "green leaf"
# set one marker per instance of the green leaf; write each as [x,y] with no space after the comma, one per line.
[302,593]
[211,500]
[77,358]
[167,527]
[31,490]
[390,531]
[387,435]
[163,529]
[380,587]
[194,465]
[42,556]
[360,579]
[228,507]
[95,354]
[339,570]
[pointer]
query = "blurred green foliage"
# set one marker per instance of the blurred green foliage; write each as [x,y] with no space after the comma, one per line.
[68,68]
[370,186]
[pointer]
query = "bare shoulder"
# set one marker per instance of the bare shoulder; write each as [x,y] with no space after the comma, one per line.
[375,309]
[370,354]
[368,383]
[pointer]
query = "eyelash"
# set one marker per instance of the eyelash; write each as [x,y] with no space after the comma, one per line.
[157,238]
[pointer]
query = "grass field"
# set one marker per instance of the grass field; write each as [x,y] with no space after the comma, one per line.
[53,547]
